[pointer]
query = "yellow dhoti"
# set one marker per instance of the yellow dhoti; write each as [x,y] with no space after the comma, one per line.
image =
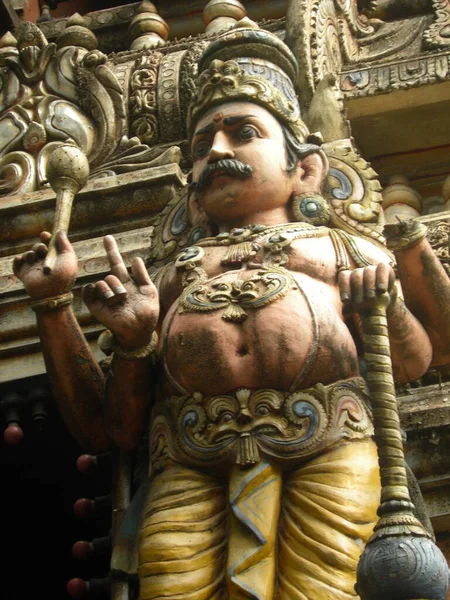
[200,537]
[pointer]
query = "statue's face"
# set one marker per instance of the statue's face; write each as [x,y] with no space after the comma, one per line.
[248,133]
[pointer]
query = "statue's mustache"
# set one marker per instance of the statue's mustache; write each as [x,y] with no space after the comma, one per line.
[227,166]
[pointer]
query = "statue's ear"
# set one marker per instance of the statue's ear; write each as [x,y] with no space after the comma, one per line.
[195,213]
[311,172]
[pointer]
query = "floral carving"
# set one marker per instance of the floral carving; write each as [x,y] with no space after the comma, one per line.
[238,296]
[142,102]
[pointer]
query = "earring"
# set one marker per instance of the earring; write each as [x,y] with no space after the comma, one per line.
[311,208]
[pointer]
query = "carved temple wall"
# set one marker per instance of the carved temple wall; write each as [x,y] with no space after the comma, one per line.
[374,80]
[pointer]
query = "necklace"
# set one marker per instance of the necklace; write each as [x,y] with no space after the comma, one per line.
[242,241]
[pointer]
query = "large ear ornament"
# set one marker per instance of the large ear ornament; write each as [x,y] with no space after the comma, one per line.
[311,208]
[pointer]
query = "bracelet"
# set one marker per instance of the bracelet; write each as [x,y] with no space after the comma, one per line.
[149,350]
[405,234]
[51,303]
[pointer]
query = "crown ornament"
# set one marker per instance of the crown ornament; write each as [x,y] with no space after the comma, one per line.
[251,65]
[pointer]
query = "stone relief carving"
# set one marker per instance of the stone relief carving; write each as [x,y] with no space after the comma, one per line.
[353,190]
[51,93]
[438,235]
[404,74]
[142,103]
[438,34]
[328,36]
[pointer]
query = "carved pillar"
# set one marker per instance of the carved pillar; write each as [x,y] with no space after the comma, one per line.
[400,200]
[222,14]
[147,29]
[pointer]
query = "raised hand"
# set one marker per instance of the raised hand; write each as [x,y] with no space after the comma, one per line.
[360,288]
[127,305]
[28,267]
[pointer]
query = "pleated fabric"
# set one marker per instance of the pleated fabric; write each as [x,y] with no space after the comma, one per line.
[182,548]
[202,541]
[328,513]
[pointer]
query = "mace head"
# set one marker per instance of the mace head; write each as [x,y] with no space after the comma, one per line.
[67,167]
[402,567]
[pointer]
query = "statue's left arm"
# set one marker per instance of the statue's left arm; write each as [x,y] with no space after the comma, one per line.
[425,284]
[411,349]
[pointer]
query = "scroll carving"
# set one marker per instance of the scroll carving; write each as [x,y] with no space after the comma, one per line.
[438,34]
[438,235]
[353,189]
[317,32]
[329,35]
[354,192]
[50,96]
[100,94]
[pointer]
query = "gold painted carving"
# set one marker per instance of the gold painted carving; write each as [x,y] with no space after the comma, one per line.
[354,192]
[242,426]
[404,234]
[317,32]
[237,297]
[396,508]
[227,81]
[327,36]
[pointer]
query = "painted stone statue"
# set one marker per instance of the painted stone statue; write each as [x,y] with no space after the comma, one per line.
[242,359]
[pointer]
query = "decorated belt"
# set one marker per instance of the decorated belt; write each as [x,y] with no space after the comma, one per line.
[242,426]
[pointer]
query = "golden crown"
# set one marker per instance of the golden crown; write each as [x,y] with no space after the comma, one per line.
[250,65]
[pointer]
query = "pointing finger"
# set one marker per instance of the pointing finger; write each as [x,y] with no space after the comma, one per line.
[115,260]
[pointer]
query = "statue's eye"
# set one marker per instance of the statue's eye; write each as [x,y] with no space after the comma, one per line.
[226,417]
[247,132]
[202,149]
[262,410]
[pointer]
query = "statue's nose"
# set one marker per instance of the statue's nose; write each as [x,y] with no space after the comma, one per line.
[244,416]
[221,147]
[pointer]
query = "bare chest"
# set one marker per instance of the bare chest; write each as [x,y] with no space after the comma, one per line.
[256,322]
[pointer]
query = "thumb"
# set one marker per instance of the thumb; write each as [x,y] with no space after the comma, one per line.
[62,242]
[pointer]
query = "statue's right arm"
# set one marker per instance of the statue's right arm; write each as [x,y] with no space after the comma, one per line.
[76,379]
[128,305]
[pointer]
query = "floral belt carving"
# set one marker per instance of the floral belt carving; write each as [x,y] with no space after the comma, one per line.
[242,426]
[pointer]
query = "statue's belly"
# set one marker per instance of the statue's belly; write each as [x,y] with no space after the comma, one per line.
[269,333]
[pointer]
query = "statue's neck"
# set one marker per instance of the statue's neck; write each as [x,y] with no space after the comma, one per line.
[275,216]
